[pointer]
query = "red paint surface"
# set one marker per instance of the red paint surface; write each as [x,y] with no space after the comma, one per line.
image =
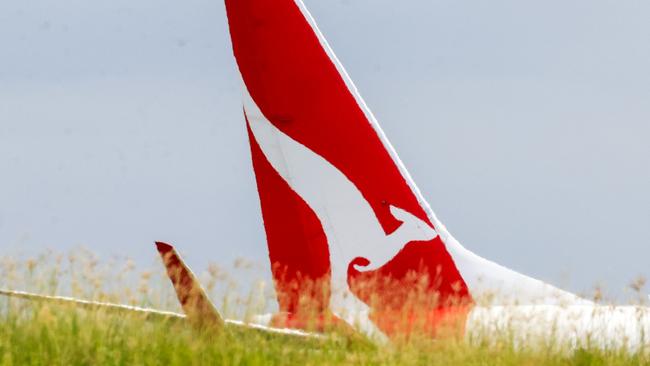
[298,88]
[297,244]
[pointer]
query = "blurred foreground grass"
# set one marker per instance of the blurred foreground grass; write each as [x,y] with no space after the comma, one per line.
[46,334]
[38,335]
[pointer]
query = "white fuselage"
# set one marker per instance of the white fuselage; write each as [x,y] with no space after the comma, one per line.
[561,327]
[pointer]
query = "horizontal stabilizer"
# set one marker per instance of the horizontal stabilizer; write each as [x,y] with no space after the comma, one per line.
[150,313]
[91,305]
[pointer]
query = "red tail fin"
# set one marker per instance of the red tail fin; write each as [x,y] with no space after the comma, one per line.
[195,302]
[331,186]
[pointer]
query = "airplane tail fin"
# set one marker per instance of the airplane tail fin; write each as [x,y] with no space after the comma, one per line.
[195,302]
[328,179]
[333,189]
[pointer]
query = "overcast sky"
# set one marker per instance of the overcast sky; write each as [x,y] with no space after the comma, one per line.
[525,124]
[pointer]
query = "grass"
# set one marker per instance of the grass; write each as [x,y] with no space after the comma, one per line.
[35,335]
[42,334]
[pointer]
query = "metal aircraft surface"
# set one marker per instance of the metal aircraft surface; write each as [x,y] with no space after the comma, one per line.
[352,241]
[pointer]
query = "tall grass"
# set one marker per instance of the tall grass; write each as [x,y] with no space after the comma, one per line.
[46,334]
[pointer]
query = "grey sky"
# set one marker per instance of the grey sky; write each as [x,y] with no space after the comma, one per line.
[525,124]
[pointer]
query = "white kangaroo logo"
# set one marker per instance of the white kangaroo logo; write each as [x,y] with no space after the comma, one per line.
[349,222]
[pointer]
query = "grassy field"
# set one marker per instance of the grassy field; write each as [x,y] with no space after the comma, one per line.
[41,334]
[35,335]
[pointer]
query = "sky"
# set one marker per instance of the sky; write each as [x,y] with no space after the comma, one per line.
[524,124]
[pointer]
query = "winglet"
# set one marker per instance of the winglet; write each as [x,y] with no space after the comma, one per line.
[194,301]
